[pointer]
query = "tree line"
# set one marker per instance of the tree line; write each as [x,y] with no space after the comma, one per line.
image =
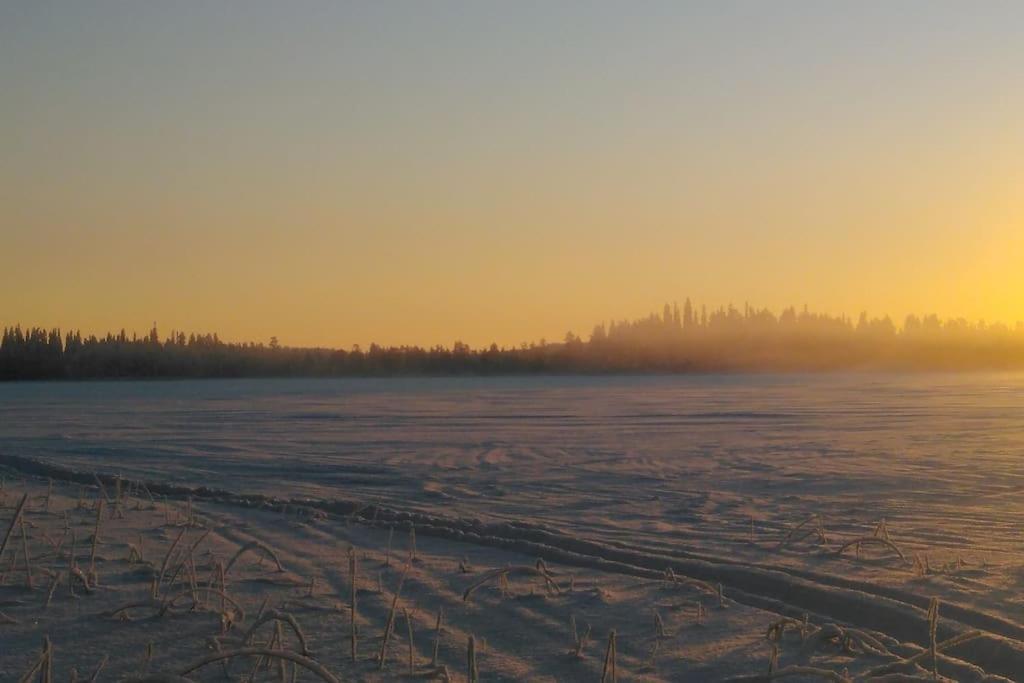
[679,339]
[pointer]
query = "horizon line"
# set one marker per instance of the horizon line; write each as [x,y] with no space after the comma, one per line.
[747,313]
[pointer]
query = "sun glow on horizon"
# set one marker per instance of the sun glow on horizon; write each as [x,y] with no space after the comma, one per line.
[347,173]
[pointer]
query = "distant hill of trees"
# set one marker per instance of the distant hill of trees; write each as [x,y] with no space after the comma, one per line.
[677,340]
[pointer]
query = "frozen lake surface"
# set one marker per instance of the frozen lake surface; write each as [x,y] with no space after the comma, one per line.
[704,473]
[619,456]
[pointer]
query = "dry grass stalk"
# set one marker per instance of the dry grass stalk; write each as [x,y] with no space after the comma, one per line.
[252,546]
[263,607]
[134,554]
[146,659]
[828,634]
[223,583]
[503,572]
[680,580]
[848,639]
[886,669]
[31,673]
[352,569]
[472,672]
[55,545]
[933,624]
[47,676]
[99,667]
[609,673]
[437,637]
[11,566]
[275,643]
[43,665]
[18,511]
[28,559]
[117,511]
[95,536]
[305,662]
[76,573]
[659,626]
[777,629]
[412,542]
[390,624]
[227,620]
[858,543]
[102,489]
[773,659]
[651,664]
[408,626]
[181,563]
[49,493]
[167,557]
[172,601]
[123,610]
[579,641]
[437,673]
[387,553]
[193,580]
[195,545]
[53,586]
[811,526]
[280,618]
[152,500]
[282,666]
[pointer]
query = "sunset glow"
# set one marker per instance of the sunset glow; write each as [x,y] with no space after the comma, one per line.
[534,340]
[419,173]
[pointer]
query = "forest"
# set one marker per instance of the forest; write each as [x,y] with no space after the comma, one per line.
[676,340]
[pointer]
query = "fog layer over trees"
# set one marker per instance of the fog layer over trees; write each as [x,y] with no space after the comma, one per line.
[678,340]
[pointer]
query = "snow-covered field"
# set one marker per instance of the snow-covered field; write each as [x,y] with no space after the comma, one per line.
[614,479]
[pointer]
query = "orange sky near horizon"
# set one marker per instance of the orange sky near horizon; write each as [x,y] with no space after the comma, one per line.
[340,173]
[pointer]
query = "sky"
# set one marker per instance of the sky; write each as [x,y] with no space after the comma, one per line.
[334,173]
